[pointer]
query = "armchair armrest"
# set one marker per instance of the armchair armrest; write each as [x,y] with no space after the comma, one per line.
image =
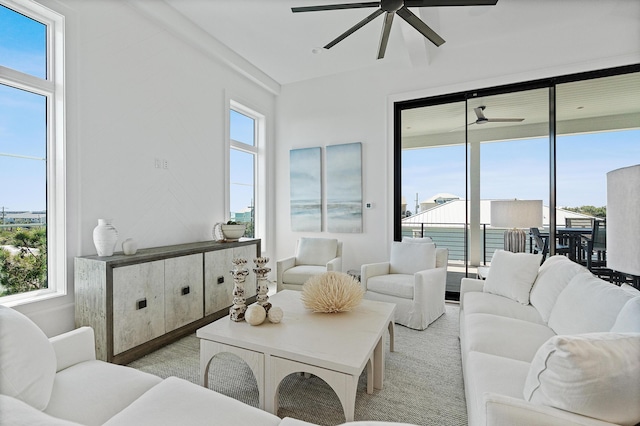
[335,264]
[372,270]
[503,410]
[430,285]
[74,347]
[468,285]
[281,266]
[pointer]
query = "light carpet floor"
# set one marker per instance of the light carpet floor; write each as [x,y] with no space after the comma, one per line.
[423,379]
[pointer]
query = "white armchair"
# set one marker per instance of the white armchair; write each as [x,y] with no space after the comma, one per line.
[313,257]
[414,279]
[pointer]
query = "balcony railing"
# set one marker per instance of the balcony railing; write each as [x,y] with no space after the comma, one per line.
[451,236]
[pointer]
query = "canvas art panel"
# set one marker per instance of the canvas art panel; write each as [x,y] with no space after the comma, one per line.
[305,168]
[344,187]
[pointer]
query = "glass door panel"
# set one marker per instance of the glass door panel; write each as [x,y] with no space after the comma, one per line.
[508,138]
[433,181]
[598,131]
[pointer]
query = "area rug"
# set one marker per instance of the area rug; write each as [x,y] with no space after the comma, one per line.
[423,379]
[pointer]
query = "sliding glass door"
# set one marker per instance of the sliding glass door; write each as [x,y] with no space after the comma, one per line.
[551,140]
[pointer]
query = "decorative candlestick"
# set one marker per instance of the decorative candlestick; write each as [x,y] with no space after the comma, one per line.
[261,282]
[239,273]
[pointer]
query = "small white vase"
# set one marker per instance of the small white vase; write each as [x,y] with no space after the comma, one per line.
[129,246]
[105,237]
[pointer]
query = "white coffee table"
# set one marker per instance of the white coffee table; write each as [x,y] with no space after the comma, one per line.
[335,347]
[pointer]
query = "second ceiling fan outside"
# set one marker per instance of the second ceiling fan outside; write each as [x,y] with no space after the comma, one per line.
[390,8]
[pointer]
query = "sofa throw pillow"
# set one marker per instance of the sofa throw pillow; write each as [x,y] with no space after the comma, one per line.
[512,275]
[628,320]
[27,360]
[553,276]
[316,251]
[409,258]
[595,375]
[587,305]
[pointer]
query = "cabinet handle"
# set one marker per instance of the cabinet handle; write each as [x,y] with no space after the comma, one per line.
[186,290]
[221,280]
[141,304]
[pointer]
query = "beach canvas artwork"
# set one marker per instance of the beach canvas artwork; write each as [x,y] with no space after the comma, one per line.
[344,188]
[305,168]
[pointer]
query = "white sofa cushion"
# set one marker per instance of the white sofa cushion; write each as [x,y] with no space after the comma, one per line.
[502,336]
[512,275]
[300,274]
[587,305]
[476,302]
[628,320]
[400,285]
[179,402]
[94,391]
[595,375]
[553,276]
[316,251]
[27,360]
[18,413]
[409,258]
[490,374]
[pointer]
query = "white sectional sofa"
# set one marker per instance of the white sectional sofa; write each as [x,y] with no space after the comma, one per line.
[549,345]
[59,382]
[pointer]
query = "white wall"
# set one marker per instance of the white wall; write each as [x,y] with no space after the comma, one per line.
[357,107]
[137,92]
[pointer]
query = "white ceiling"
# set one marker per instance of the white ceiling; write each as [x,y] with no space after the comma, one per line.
[280,43]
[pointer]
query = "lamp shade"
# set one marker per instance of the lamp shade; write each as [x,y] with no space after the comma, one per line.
[623,223]
[516,213]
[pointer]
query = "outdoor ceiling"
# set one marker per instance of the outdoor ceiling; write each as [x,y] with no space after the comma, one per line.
[610,103]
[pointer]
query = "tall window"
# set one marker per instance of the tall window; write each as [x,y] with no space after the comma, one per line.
[246,135]
[32,255]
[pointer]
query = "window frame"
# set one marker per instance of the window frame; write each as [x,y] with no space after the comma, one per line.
[53,89]
[259,161]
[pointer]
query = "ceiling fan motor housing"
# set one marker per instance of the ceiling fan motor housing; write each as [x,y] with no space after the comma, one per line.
[391,5]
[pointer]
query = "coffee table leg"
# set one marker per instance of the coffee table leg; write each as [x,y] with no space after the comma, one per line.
[378,363]
[255,361]
[344,385]
[206,353]
[391,336]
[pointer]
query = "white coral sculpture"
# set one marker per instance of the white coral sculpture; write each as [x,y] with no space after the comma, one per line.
[331,292]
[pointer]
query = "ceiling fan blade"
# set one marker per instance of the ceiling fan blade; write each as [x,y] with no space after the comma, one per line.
[355,28]
[504,120]
[423,28]
[335,7]
[384,38]
[436,3]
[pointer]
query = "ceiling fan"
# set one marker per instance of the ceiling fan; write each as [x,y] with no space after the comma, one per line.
[391,8]
[482,119]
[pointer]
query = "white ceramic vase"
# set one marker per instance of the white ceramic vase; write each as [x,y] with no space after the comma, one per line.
[105,237]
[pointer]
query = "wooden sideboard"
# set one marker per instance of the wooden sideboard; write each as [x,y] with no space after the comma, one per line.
[138,303]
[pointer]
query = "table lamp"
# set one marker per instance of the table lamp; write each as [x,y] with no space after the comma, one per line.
[516,214]
[623,223]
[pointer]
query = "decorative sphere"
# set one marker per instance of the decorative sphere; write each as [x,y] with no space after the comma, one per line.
[275,314]
[255,315]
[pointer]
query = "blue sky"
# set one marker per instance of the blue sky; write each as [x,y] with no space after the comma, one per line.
[22,116]
[519,169]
